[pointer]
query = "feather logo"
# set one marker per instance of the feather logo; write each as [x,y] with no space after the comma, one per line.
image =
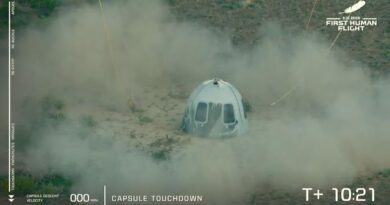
[354,7]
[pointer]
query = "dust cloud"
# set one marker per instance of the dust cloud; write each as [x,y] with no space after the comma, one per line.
[333,127]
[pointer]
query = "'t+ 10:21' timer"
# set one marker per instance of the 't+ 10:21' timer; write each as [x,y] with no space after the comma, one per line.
[344,194]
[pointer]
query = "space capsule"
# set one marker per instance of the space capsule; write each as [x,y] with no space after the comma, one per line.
[215,109]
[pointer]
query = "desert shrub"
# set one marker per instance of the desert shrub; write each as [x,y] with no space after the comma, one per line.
[50,188]
[24,184]
[230,5]
[3,184]
[55,184]
[385,173]
[171,2]
[162,147]
[44,7]
[88,121]
[166,142]
[144,119]
[132,134]
[161,155]
[4,17]
[52,109]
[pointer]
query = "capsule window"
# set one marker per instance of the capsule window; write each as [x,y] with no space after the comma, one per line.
[228,113]
[214,112]
[201,112]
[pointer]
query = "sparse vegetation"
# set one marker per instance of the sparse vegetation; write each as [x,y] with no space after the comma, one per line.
[161,155]
[230,5]
[27,184]
[144,119]
[3,184]
[132,134]
[24,184]
[89,121]
[385,173]
[52,109]
[27,11]
[43,7]
[162,147]
[3,17]
[243,18]
[164,141]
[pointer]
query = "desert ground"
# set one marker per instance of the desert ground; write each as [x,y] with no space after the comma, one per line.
[98,100]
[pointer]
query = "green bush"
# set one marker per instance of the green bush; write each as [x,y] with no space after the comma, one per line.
[52,109]
[24,184]
[4,17]
[27,184]
[144,119]
[54,184]
[44,7]
[161,155]
[229,5]
[3,184]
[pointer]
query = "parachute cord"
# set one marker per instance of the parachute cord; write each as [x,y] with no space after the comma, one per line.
[311,14]
[107,34]
[337,36]
[334,41]
[286,94]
